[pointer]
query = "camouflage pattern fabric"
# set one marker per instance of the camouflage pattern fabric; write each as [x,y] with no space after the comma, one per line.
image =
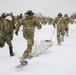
[59,23]
[67,20]
[5,32]
[29,25]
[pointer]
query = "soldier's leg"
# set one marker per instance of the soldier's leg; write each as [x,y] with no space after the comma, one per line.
[63,33]
[2,45]
[67,29]
[30,43]
[58,40]
[2,42]
[8,41]
[58,37]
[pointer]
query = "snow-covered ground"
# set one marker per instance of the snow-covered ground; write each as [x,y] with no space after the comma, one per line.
[57,60]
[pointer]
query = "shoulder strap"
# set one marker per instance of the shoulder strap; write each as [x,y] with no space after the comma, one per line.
[59,20]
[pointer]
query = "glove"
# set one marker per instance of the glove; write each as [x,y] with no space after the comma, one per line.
[10,35]
[14,27]
[16,32]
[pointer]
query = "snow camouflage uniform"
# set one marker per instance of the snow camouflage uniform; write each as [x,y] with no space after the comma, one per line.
[60,25]
[6,34]
[29,24]
[67,20]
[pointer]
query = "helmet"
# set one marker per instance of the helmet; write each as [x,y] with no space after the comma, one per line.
[29,12]
[66,15]
[21,16]
[59,14]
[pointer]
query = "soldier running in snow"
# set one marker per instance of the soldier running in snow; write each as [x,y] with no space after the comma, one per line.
[29,23]
[59,22]
[5,33]
[67,20]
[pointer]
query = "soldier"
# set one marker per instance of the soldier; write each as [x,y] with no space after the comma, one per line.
[5,34]
[50,20]
[29,23]
[59,22]
[12,22]
[67,20]
[43,21]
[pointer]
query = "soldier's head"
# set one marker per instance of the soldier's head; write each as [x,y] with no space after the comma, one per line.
[59,15]
[66,15]
[29,12]
[20,15]
[3,15]
[11,14]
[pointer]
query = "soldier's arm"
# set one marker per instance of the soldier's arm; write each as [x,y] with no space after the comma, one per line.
[54,22]
[70,20]
[37,23]
[18,24]
[12,16]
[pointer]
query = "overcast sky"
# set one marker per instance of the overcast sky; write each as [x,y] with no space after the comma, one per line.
[46,7]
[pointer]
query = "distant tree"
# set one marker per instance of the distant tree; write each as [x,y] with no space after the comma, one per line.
[43,19]
[73,16]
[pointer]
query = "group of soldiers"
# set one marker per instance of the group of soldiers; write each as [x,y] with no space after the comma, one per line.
[29,22]
[7,28]
[61,23]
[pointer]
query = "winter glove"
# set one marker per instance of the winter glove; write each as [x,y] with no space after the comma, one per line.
[66,29]
[16,32]
[10,35]
[14,27]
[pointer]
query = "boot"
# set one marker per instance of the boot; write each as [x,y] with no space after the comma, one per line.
[59,43]
[61,39]
[23,62]
[67,34]
[11,51]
